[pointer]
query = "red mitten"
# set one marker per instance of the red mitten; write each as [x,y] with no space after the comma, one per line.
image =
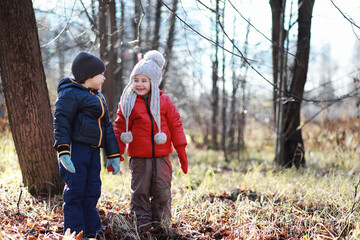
[110,168]
[183,160]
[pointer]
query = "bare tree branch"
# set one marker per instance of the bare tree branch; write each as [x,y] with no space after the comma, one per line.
[63,30]
[289,96]
[197,32]
[88,15]
[139,24]
[347,18]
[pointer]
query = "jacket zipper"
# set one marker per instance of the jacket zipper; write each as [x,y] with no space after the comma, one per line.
[152,126]
[99,119]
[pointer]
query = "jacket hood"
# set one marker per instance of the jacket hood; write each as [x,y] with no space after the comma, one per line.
[67,83]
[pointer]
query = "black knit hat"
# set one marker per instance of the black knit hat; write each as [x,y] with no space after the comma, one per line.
[85,66]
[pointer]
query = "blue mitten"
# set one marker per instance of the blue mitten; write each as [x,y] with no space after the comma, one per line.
[67,163]
[115,164]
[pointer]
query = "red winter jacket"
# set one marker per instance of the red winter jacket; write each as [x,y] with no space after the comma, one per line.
[141,128]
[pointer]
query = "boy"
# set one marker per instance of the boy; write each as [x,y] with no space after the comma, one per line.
[149,123]
[82,126]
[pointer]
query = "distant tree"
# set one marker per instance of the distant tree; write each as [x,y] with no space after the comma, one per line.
[2,107]
[27,98]
[108,87]
[155,44]
[224,106]
[356,78]
[327,70]
[278,35]
[112,60]
[137,39]
[289,90]
[215,88]
[119,83]
[169,44]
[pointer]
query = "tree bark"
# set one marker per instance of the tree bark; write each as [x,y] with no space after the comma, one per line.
[61,55]
[224,95]
[277,33]
[137,30]
[169,44]
[110,86]
[291,151]
[155,44]
[103,36]
[148,26]
[120,69]
[27,98]
[215,89]
[231,134]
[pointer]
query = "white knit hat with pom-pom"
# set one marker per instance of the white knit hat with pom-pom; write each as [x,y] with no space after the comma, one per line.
[151,66]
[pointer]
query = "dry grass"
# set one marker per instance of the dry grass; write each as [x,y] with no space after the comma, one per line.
[242,200]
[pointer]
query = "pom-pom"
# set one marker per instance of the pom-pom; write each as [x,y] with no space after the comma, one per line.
[160,138]
[156,57]
[126,137]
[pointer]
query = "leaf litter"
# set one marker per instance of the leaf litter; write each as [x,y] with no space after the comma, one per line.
[238,214]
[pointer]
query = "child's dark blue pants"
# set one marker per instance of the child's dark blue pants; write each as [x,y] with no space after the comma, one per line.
[82,190]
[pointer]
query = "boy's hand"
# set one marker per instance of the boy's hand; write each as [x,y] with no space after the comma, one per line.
[67,163]
[113,165]
[183,160]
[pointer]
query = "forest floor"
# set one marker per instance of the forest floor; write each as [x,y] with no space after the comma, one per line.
[242,199]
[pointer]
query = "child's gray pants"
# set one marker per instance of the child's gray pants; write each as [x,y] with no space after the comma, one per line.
[151,191]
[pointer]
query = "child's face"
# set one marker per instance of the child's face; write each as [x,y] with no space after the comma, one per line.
[95,82]
[141,85]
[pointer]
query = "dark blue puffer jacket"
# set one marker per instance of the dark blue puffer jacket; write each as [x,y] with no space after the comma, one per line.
[81,115]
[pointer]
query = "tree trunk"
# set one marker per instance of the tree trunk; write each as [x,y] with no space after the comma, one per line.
[155,44]
[278,32]
[224,95]
[110,86]
[278,38]
[61,55]
[291,152]
[120,69]
[242,116]
[231,133]
[137,30]
[3,120]
[235,85]
[103,36]
[94,19]
[169,44]
[27,98]
[148,26]
[215,89]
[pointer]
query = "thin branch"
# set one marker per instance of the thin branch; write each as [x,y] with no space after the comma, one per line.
[88,15]
[315,115]
[262,34]
[349,19]
[289,96]
[63,30]
[222,28]
[197,32]
[139,24]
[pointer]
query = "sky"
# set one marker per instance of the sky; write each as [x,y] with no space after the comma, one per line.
[329,27]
